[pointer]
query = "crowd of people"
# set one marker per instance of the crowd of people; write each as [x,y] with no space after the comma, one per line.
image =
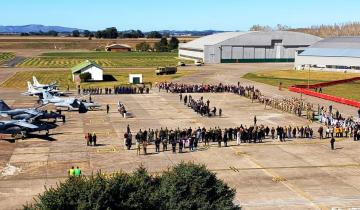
[293,105]
[189,138]
[200,106]
[116,90]
[337,125]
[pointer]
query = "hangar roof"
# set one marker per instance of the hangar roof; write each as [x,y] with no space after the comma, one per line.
[211,39]
[339,42]
[335,47]
[252,38]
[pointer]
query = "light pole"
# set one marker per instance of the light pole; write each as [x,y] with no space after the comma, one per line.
[309,78]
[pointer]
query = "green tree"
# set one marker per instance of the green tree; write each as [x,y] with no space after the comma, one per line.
[85,77]
[162,45]
[173,43]
[52,33]
[87,33]
[154,34]
[190,186]
[75,33]
[99,34]
[143,46]
[186,186]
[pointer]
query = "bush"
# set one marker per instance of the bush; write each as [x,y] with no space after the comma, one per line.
[85,77]
[186,186]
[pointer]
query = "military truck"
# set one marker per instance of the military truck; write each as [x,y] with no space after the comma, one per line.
[165,70]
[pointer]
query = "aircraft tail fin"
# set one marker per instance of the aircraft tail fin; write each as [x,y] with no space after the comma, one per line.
[30,87]
[4,106]
[36,82]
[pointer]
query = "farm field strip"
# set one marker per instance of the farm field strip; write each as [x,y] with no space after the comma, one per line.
[5,57]
[64,78]
[104,59]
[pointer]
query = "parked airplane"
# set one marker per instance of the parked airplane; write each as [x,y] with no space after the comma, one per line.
[69,103]
[23,128]
[32,91]
[27,113]
[37,85]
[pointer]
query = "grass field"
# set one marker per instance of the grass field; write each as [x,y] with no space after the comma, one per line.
[5,57]
[293,77]
[104,59]
[64,78]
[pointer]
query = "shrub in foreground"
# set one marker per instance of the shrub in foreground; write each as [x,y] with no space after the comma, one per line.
[186,186]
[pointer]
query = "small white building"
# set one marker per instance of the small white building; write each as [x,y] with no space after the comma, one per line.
[97,73]
[135,78]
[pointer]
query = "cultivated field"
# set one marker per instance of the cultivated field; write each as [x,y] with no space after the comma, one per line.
[62,43]
[293,77]
[104,59]
[5,57]
[64,78]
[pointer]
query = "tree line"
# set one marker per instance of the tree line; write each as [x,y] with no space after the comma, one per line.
[185,186]
[342,29]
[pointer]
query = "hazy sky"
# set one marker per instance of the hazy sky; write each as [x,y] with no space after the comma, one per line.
[149,15]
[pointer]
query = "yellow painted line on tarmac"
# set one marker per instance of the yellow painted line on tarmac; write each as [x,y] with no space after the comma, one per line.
[277,178]
[113,149]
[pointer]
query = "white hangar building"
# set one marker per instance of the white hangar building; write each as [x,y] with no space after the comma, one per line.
[247,47]
[337,54]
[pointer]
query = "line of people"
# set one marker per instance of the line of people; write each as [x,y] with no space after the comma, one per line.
[191,138]
[116,90]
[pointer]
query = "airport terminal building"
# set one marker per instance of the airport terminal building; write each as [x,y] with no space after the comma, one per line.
[247,47]
[336,54]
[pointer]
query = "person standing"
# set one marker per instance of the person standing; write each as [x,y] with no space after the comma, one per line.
[255,120]
[359,113]
[77,172]
[72,171]
[238,137]
[94,138]
[332,143]
[157,145]
[107,108]
[321,132]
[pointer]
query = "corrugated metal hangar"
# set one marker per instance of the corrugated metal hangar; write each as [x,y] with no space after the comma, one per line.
[337,53]
[246,47]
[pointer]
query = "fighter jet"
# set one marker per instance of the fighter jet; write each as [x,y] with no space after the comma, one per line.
[37,85]
[69,103]
[23,128]
[30,114]
[32,91]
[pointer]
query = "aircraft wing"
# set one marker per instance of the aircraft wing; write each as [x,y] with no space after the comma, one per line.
[25,124]
[31,111]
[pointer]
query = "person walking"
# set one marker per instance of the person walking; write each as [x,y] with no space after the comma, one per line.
[107,108]
[332,143]
[255,120]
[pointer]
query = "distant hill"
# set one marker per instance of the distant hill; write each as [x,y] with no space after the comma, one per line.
[35,28]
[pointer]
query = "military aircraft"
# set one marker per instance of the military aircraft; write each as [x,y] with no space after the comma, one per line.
[23,128]
[37,85]
[27,113]
[32,91]
[69,103]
